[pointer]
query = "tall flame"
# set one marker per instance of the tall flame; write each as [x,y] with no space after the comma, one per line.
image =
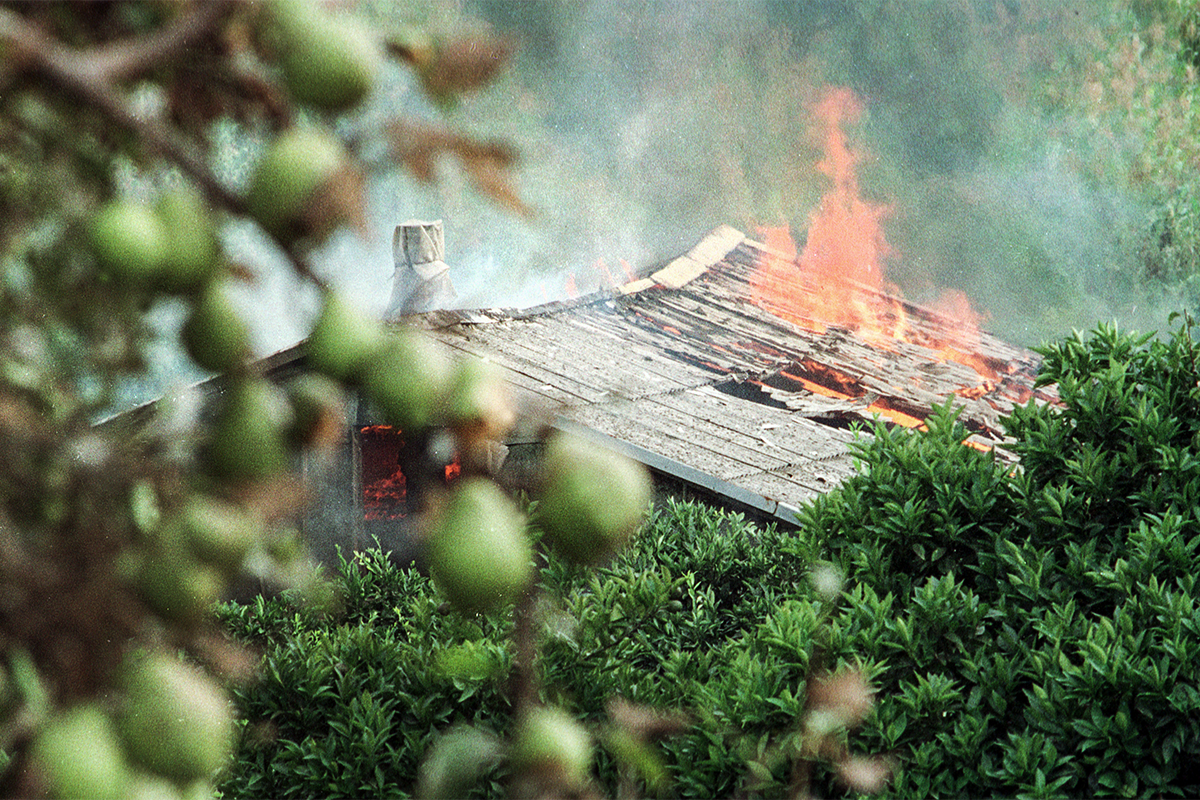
[838,278]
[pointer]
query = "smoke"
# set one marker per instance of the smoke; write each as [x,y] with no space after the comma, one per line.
[645,123]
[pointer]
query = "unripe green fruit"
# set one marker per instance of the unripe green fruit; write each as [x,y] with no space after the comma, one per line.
[249,436]
[298,163]
[80,755]
[178,588]
[343,340]
[550,742]
[593,501]
[176,720]
[192,253]
[286,547]
[214,334]
[152,787]
[327,63]
[129,241]
[480,399]
[318,410]
[479,554]
[219,533]
[454,763]
[408,380]
[198,790]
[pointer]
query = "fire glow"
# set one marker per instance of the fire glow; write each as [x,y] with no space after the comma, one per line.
[384,487]
[837,280]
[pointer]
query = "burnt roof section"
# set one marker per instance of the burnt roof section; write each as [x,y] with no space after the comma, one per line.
[684,365]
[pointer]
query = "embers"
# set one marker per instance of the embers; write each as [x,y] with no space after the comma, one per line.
[813,376]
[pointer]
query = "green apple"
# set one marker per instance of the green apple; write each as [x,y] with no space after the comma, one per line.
[408,380]
[199,790]
[79,754]
[192,252]
[343,339]
[215,335]
[551,743]
[593,500]
[176,721]
[298,163]
[249,434]
[455,762]
[479,554]
[318,410]
[327,62]
[480,399]
[129,241]
[177,587]
[218,532]
[152,787]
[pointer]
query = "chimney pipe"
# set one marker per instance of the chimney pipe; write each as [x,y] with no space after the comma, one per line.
[421,281]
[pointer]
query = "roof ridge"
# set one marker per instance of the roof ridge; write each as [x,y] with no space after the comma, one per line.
[709,251]
[719,243]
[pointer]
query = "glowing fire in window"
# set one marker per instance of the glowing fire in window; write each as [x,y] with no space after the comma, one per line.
[384,487]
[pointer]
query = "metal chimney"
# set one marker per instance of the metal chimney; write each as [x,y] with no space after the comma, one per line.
[421,281]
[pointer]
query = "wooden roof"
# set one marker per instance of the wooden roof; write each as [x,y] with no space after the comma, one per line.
[685,371]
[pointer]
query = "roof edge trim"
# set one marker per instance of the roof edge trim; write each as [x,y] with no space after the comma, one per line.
[728,493]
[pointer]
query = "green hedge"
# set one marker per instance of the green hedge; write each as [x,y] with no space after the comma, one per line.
[1031,632]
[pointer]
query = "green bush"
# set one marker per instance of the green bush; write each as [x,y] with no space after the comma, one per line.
[1031,632]
[1039,626]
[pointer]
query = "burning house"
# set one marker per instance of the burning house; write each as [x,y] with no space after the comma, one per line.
[709,373]
[735,372]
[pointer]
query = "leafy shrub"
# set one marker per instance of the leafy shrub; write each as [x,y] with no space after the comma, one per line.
[347,703]
[1038,625]
[1031,632]
[703,612]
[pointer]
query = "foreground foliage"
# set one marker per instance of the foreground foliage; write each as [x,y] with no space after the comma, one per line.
[122,216]
[1030,632]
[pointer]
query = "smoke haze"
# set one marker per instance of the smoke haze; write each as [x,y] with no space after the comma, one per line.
[643,124]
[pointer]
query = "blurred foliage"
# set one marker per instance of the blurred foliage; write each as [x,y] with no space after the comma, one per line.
[1139,127]
[133,137]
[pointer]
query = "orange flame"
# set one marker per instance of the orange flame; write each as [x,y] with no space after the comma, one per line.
[384,486]
[886,410]
[838,278]
[606,277]
[963,331]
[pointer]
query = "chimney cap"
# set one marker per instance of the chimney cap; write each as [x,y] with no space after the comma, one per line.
[421,281]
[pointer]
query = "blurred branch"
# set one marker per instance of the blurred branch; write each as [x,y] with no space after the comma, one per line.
[29,46]
[75,73]
[90,76]
[130,58]
[524,688]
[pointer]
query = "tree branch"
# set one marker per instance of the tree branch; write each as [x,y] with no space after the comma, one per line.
[79,74]
[129,58]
